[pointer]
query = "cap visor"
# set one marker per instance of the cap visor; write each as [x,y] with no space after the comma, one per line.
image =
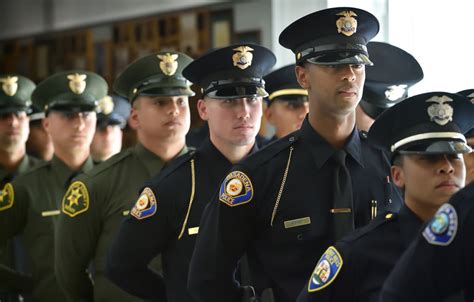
[340,58]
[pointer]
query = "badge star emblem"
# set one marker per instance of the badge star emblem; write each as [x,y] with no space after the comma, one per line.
[74,197]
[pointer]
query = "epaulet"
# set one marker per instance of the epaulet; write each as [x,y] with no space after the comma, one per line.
[103,166]
[175,164]
[271,150]
[374,224]
[363,134]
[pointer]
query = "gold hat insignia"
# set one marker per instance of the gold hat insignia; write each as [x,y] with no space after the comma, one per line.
[243,57]
[440,112]
[346,24]
[9,85]
[77,82]
[106,105]
[168,63]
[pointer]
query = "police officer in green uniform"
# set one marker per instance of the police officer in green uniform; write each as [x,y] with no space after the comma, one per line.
[165,219]
[111,119]
[308,189]
[386,82]
[15,105]
[32,201]
[424,134]
[160,113]
[287,102]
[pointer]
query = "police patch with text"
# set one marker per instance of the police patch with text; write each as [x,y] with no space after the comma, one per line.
[236,189]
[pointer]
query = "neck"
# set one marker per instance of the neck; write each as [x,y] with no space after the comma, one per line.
[233,153]
[334,129]
[424,212]
[10,159]
[74,159]
[164,149]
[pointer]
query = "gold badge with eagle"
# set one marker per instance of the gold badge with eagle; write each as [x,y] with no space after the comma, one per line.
[346,24]
[9,85]
[168,63]
[243,57]
[77,82]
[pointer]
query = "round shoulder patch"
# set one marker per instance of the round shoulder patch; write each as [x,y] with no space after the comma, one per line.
[145,206]
[6,197]
[236,189]
[76,199]
[326,270]
[442,228]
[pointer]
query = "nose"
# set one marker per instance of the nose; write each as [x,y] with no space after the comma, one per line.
[173,109]
[243,109]
[446,167]
[348,73]
[80,122]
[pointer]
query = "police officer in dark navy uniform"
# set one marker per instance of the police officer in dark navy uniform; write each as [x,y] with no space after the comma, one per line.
[469,157]
[287,102]
[424,134]
[166,217]
[386,82]
[438,264]
[298,195]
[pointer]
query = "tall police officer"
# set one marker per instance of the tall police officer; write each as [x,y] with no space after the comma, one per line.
[96,202]
[295,197]
[424,133]
[166,217]
[33,199]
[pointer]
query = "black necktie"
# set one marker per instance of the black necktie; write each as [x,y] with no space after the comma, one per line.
[343,218]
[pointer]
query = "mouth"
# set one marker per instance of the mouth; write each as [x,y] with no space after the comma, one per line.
[348,91]
[447,184]
[172,123]
[243,127]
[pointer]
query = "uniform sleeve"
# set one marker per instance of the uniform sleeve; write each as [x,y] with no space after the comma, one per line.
[77,231]
[141,236]
[224,233]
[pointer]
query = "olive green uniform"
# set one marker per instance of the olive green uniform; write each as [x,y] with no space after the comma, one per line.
[85,235]
[31,205]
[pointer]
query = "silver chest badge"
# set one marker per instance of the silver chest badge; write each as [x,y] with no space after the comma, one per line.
[440,112]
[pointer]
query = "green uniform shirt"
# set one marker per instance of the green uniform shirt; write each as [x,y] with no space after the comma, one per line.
[34,200]
[104,195]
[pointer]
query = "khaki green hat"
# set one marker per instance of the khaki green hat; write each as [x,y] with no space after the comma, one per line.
[154,75]
[70,91]
[15,94]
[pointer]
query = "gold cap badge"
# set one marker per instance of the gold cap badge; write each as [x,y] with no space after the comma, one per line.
[77,82]
[441,113]
[168,63]
[9,85]
[106,105]
[395,92]
[243,57]
[346,24]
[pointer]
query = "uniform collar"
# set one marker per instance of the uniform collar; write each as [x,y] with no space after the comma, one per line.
[6,176]
[150,160]
[207,147]
[64,174]
[409,224]
[321,149]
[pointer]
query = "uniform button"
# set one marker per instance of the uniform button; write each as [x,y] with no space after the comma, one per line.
[299,237]
[292,138]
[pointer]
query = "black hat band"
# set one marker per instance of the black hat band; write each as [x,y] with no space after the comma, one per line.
[214,85]
[156,80]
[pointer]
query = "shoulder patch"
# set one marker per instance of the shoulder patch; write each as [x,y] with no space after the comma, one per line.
[326,270]
[442,228]
[76,199]
[145,206]
[6,197]
[236,189]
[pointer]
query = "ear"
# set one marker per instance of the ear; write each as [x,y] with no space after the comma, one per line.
[302,76]
[268,112]
[202,109]
[45,121]
[398,176]
[133,120]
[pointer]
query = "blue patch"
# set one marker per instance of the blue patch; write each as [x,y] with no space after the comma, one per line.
[442,228]
[326,270]
[236,189]
[145,206]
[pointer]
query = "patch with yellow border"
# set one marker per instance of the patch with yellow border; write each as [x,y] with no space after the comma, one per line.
[326,271]
[6,197]
[145,206]
[236,189]
[76,199]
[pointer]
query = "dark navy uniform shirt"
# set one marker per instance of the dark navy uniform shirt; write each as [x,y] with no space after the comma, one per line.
[431,271]
[368,255]
[182,190]
[284,222]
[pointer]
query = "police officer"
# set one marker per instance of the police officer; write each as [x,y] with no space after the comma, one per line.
[287,103]
[111,119]
[424,134]
[32,201]
[438,264]
[97,201]
[15,104]
[469,157]
[386,82]
[168,217]
[39,142]
[298,195]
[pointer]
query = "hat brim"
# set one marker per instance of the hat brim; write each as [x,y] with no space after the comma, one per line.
[234,92]
[371,110]
[340,58]
[437,147]
[12,109]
